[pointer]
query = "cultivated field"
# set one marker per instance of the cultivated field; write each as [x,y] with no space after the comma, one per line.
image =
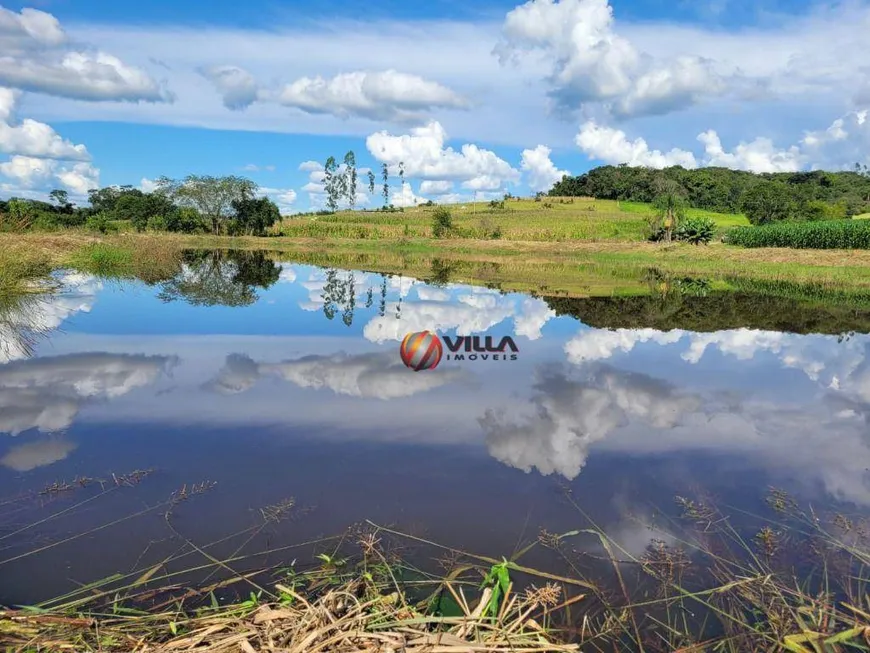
[553,219]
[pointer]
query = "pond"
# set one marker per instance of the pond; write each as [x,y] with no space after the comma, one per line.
[137,416]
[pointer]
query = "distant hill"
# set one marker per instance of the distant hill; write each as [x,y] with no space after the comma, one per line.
[722,189]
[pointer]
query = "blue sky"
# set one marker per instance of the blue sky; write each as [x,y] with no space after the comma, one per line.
[260,13]
[477,99]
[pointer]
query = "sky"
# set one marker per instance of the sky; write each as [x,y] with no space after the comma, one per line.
[476,99]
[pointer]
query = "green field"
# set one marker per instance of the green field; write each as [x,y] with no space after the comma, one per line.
[552,219]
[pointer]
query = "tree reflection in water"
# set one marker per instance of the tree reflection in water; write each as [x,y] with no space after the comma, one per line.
[220,278]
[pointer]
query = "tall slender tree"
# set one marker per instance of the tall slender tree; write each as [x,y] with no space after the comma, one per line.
[402,174]
[330,184]
[385,174]
[371,182]
[341,184]
[350,171]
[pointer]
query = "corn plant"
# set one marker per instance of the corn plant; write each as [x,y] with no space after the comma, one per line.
[828,234]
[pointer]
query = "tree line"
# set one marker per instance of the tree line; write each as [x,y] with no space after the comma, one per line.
[195,204]
[764,197]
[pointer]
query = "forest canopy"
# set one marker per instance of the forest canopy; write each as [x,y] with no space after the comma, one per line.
[809,195]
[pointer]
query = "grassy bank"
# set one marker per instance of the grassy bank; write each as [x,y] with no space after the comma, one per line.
[569,268]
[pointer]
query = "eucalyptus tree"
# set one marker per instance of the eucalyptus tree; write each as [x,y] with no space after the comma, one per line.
[371,183]
[351,177]
[385,175]
[330,183]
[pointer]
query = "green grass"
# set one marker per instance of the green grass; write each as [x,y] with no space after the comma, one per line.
[19,272]
[827,234]
[722,220]
[103,259]
[550,220]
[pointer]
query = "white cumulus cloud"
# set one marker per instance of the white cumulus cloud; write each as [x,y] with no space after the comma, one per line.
[613,146]
[600,344]
[541,172]
[37,56]
[590,63]
[285,198]
[436,187]
[33,138]
[237,86]
[386,95]
[27,172]
[759,155]
[425,157]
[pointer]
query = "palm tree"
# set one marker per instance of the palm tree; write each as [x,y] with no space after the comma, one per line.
[670,205]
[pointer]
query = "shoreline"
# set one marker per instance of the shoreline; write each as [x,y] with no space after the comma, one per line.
[573,260]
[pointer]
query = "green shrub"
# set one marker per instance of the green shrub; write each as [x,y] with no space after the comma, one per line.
[157,223]
[186,220]
[487,228]
[819,210]
[442,222]
[44,221]
[770,202]
[827,234]
[696,230]
[101,222]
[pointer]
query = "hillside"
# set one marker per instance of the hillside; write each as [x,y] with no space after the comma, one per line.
[803,194]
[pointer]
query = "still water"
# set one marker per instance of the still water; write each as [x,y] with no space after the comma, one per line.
[267,382]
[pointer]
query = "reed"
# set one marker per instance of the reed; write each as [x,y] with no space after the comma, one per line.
[789,579]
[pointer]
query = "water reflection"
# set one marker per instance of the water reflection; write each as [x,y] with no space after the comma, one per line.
[300,390]
[26,457]
[27,318]
[565,416]
[47,393]
[221,278]
[372,375]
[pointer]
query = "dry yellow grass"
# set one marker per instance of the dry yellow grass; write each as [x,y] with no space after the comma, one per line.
[338,621]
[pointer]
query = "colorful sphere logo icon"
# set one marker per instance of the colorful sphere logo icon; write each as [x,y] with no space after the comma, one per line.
[421,350]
